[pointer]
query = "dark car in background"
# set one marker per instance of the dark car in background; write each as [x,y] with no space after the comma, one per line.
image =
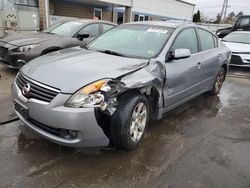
[242,24]
[16,50]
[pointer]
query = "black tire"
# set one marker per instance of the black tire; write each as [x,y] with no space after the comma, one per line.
[121,121]
[220,78]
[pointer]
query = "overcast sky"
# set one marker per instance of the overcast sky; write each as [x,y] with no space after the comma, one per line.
[210,8]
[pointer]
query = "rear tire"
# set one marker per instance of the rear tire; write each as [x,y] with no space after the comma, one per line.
[220,78]
[129,121]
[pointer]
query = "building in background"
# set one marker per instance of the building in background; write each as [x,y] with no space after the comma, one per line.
[28,15]
[121,11]
[18,15]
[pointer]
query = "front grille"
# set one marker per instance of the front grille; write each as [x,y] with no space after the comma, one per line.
[236,60]
[3,52]
[37,91]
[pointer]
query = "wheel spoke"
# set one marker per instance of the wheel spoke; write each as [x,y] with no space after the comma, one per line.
[132,128]
[143,114]
[135,134]
[141,127]
[139,108]
[139,135]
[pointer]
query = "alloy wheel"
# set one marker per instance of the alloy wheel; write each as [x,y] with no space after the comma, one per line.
[138,122]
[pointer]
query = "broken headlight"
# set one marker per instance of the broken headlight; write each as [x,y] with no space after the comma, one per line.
[89,96]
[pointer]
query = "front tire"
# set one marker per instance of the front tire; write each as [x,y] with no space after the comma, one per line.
[220,78]
[129,121]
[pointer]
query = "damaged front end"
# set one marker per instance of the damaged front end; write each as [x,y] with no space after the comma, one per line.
[100,94]
[149,80]
[104,95]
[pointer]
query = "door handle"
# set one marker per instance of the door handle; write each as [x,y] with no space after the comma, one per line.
[198,66]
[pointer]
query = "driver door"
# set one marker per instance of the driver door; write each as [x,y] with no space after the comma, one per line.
[183,75]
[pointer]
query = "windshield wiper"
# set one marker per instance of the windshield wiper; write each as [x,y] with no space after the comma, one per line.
[48,32]
[111,52]
[84,46]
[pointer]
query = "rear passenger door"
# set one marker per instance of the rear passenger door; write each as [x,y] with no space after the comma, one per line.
[183,75]
[210,57]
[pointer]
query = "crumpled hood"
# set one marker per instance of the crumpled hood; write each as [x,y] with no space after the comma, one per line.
[25,38]
[237,47]
[73,68]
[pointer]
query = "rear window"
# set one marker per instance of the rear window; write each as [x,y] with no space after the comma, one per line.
[243,21]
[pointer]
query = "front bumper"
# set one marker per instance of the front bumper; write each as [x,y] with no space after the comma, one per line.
[16,60]
[240,60]
[47,119]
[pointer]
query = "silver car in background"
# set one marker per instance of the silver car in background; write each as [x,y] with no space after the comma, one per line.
[105,93]
[239,43]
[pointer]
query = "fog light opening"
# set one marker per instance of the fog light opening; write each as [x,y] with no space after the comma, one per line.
[68,134]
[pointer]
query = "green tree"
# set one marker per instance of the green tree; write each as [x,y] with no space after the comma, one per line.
[231,18]
[239,14]
[197,17]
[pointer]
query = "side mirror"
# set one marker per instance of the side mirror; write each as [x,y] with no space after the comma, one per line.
[180,54]
[82,36]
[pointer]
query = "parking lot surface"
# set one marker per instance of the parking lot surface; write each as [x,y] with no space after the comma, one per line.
[203,143]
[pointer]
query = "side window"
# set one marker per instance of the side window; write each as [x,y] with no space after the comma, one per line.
[92,30]
[244,21]
[186,39]
[206,39]
[106,27]
[136,17]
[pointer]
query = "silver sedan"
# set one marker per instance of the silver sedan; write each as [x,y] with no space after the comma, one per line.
[105,93]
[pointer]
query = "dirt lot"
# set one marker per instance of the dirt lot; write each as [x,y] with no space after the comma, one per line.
[203,143]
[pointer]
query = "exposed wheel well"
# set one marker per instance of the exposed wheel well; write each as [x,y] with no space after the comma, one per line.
[152,95]
[226,69]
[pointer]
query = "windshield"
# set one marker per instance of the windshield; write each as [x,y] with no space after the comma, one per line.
[65,29]
[131,40]
[238,37]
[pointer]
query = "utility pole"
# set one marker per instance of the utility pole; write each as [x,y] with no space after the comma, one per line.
[224,11]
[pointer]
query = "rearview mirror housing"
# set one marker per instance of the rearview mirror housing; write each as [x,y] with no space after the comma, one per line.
[82,36]
[179,54]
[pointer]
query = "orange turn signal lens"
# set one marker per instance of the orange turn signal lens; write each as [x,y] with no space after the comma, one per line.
[96,86]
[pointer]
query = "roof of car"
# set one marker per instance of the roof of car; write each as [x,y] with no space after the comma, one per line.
[168,23]
[92,20]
